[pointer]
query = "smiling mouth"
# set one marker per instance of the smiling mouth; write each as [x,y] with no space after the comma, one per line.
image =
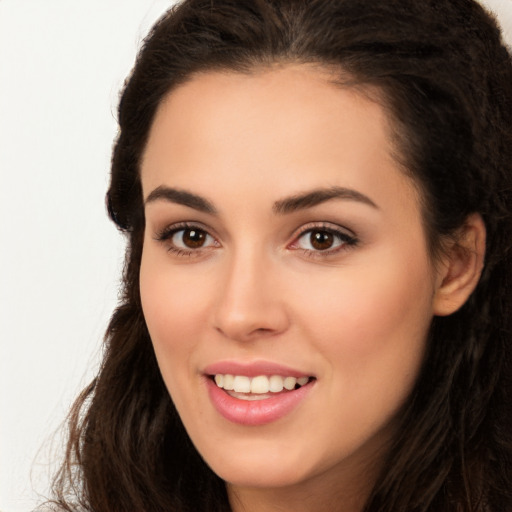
[260,387]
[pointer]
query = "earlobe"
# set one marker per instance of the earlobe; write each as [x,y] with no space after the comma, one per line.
[460,267]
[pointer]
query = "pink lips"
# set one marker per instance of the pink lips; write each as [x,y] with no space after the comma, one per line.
[254,412]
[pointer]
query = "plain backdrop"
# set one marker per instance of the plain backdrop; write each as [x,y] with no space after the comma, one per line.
[62,63]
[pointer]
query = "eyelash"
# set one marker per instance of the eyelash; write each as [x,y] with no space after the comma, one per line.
[345,240]
[166,234]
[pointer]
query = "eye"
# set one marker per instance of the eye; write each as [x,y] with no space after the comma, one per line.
[318,240]
[191,238]
[324,240]
[186,240]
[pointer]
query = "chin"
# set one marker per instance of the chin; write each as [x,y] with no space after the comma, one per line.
[263,476]
[263,464]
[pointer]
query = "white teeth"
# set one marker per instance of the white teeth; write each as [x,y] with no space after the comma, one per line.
[228,382]
[249,396]
[262,384]
[276,384]
[289,383]
[302,380]
[242,384]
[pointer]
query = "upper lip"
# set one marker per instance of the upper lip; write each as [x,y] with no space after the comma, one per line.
[253,369]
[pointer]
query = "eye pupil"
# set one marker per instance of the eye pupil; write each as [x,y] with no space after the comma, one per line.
[194,238]
[321,240]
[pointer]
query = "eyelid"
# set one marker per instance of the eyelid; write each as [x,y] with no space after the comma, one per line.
[323,225]
[347,236]
[165,235]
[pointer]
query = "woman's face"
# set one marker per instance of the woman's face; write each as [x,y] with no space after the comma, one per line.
[284,247]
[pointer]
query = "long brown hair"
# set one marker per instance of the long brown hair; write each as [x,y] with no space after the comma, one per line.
[445,78]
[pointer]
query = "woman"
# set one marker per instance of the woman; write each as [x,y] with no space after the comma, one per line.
[316,315]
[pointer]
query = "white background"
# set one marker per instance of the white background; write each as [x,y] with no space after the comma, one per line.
[62,63]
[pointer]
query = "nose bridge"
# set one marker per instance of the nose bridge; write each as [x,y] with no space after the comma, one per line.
[249,302]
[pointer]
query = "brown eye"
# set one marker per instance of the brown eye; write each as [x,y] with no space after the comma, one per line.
[321,240]
[193,238]
[327,240]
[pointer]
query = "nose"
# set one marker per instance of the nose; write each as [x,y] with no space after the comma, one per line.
[251,300]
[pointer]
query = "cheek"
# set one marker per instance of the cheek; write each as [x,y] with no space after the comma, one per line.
[173,312]
[372,322]
[373,336]
[165,302]
[174,305]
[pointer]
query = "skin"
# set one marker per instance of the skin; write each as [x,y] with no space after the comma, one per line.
[355,316]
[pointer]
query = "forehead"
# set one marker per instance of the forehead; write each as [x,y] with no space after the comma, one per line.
[287,93]
[283,127]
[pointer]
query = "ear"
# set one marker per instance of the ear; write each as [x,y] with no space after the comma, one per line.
[460,267]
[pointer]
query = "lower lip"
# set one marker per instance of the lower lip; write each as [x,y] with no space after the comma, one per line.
[256,412]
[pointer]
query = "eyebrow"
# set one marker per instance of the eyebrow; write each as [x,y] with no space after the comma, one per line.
[282,207]
[318,196]
[182,197]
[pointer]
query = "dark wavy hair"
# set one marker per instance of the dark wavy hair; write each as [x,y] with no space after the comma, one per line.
[445,78]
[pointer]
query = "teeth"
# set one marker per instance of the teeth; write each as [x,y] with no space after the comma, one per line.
[228,383]
[276,384]
[289,383]
[242,384]
[260,385]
